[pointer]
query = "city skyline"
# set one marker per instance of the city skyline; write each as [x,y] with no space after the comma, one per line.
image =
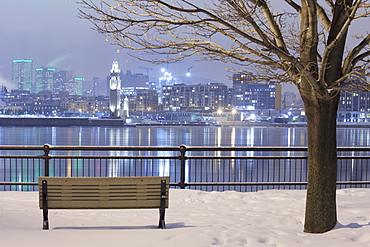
[144,71]
[52,35]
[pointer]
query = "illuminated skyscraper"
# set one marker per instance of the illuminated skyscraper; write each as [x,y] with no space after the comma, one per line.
[22,74]
[61,81]
[115,91]
[79,81]
[44,79]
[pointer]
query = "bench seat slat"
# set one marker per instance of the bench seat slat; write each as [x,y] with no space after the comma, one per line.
[52,188]
[111,192]
[96,198]
[103,180]
[99,198]
[102,196]
[129,204]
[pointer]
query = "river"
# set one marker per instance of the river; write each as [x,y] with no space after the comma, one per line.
[173,136]
[197,170]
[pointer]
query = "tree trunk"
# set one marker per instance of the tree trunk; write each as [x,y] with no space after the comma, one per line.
[321,214]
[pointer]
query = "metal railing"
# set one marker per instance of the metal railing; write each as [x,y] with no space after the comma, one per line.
[204,168]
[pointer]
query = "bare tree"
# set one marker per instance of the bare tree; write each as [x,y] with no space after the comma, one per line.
[282,40]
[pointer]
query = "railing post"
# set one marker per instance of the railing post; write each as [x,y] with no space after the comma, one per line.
[46,158]
[182,159]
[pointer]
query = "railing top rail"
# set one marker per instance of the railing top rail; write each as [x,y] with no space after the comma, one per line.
[114,148]
[198,148]
[255,148]
[358,149]
[174,148]
[21,147]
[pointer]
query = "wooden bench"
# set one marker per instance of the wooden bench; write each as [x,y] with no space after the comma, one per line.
[103,193]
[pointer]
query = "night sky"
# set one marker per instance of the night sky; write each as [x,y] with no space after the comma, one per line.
[51,34]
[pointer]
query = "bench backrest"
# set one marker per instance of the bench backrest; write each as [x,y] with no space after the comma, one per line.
[103,192]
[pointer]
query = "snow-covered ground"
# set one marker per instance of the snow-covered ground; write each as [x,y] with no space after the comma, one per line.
[194,218]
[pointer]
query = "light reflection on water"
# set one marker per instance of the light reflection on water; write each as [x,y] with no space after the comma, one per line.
[163,136]
[173,136]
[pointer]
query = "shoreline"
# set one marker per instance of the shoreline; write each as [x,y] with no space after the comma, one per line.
[106,122]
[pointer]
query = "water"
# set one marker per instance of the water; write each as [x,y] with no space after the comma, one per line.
[172,136]
[202,170]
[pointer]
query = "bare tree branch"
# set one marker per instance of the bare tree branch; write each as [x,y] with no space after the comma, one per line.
[253,32]
[294,5]
[331,4]
[345,20]
[323,17]
[353,56]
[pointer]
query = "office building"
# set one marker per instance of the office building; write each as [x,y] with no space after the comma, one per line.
[134,80]
[79,82]
[179,97]
[22,74]
[99,87]
[44,79]
[140,99]
[250,95]
[61,80]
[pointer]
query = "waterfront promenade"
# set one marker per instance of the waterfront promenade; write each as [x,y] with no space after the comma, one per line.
[194,218]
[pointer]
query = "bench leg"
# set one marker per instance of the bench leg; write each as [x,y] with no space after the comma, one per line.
[162,209]
[162,223]
[45,211]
